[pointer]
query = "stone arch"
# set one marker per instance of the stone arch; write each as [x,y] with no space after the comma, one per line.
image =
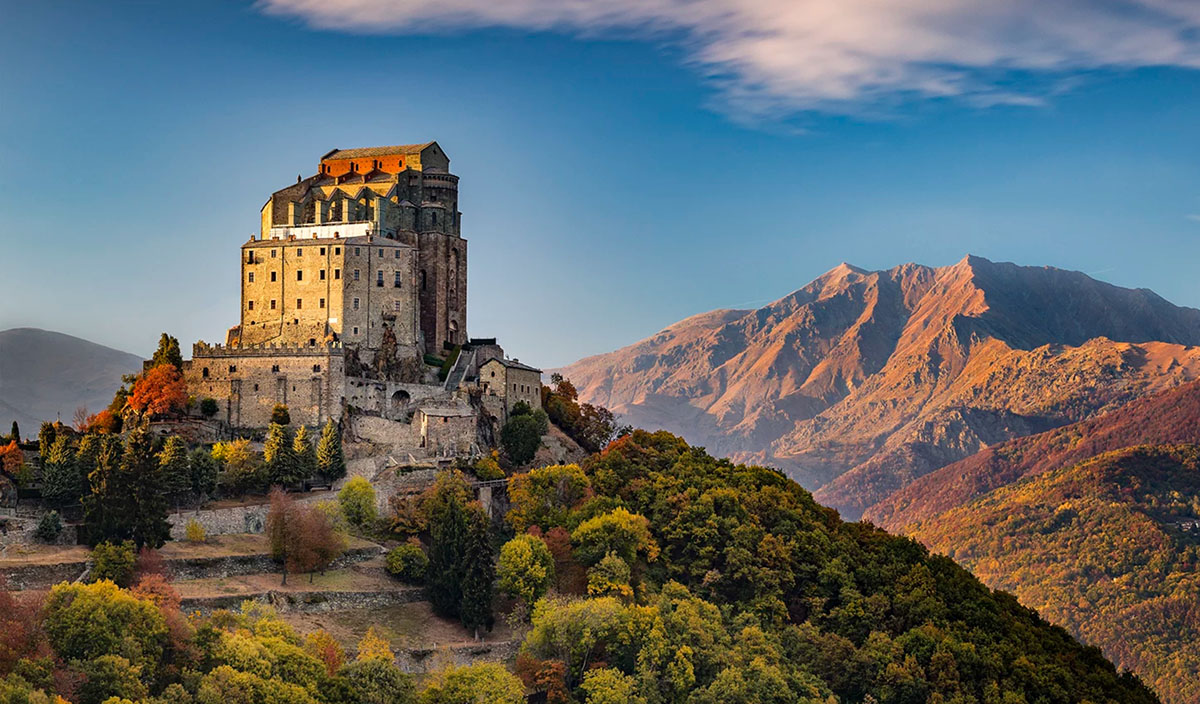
[399,401]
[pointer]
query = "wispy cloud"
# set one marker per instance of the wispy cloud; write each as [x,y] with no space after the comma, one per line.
[1194,217]
[777,57]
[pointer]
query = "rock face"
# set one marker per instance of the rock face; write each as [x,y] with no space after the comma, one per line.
[862,381]
[45,375]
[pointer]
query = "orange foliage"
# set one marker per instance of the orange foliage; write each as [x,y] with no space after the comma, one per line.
[155,587]
[103,422]
[325,648]
[159,391]
[11,458]
[548,677]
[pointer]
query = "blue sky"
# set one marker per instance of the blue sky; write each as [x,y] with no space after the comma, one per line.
[621,167]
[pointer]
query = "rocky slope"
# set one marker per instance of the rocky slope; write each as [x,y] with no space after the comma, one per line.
[862,381]
[1107,548]
[46,375]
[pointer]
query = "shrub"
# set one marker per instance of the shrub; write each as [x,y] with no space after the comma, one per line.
[280,415]
[114,562]
[521,437]
[194,532]
[526,568]
[49,527]
[487,468]
[408,563]
[357,499]
[208,407]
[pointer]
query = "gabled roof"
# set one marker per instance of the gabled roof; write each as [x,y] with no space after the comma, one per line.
[376,151]
[513,364]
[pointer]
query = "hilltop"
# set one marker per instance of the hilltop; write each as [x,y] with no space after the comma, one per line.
[1107,548]
[862,381]
[46,375]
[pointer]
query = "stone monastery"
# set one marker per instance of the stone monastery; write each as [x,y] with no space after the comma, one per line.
[354,302]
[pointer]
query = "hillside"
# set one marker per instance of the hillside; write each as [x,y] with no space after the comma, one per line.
[1107,548]
[1169,417]
[47,375]
[861,381]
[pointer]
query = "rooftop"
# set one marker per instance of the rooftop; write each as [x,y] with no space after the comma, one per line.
[376,151]
[514,364]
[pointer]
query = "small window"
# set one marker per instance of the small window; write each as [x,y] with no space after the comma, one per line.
[397,254]
[273,273]
[322,251]
[272,254]
[356,251]
[355,304]
[299,251]
[381,252]
[322,275]
[321,304]
[316,367]
[300,275]
[435,218]
[204,373]
[396,306]
[396,280]
[250,257]
[249,305]
[337,274]
[275,368]
[256,387]
[299,303]
[232,368]
[337,250]
[250,277]
[379,278]
[355,329]
[356,274]
[272,304]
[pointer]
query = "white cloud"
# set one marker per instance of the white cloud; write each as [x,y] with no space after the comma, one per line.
[775,57]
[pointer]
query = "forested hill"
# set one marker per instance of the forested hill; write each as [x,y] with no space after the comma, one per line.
[744,589]
[1108,548]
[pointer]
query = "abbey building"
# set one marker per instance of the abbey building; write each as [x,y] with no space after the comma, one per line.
[354,298]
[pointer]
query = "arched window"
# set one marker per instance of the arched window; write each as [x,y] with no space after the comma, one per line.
[423,283]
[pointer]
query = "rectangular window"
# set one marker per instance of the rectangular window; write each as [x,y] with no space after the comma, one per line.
[299,303]
[299,251]
[250,257]
[356,251]
[355,304]
[250,277]
[322,251]
[355,329]
[337,250]
[316,367]
[337,274]
[396,306]
[397,254]
[322,303]
[232,368]
[356,274]
[300,275]
[275,368]
[379,278]
[272,254]
[249,305]
[273,273]
[322,276]
[272,304]
[381,252]
[397,280]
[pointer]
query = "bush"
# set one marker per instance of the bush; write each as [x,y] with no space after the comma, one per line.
[357,499]
[280,415]
[521,437]
[49,527]
[194,532]
[114,562]
[408,563]
[208,407]
[487,468]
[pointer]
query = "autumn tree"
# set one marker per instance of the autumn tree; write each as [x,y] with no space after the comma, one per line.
[280,457]
[526,569]
[625,534]
[330,460]
[46,437]
[283,530]
[159,392]
[302,537]
[306,462]
[484,682]
[545,496]
[240,468]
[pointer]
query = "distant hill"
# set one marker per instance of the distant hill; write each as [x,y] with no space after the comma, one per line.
[1108,548]
[44,374]
[862,381]
[1169,417]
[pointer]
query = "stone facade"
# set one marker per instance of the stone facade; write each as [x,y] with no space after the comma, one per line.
[512,382]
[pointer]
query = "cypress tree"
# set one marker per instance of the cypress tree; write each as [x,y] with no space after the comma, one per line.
[173,463]
[331,461]
[479,575]
[61,480]
[127,500]
[202,473]
[168,352]
[306,462]
[16,432]
[46,437]
[448,538]
[279,456]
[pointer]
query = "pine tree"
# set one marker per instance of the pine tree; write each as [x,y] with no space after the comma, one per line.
[127,500]
[167,352]
[448,541]
[173,463]
[46,437]
[306,462]
[479,575]
[202,473]
[61,480]
[331,461]
[16,432]
[279,456]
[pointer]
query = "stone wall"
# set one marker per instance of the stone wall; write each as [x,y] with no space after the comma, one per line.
[309,601]
[251,518]
[420,661]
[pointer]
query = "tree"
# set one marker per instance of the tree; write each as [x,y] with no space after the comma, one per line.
[484,683]
[545,496]
[173,464]
[526,569]
[127,500]
[15,435]
[408,562]
[357,500]
[106,421]
[167,352]
[374,646]
[331,462]
[479,575]
[62,482]
[86,621]
[521,437]
[202,473]
[114,562]
[242,471]
[46,436]
[607,685]
[324,647]
[448,527]
[279,457]
[379,681]
[111,678]
[11,458]
[159,392]
[306,463]
[610,577]
[283,530]
[280,415]
[302,538]
[49,527]
[209,407]
[625,534]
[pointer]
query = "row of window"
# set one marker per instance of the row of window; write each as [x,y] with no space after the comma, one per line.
[397,277]
[336,251]
[397,306]
[274,368]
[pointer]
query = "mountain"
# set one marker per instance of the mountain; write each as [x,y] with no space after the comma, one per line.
[1107,548]
[46,375]
[1170,417]
[862,381]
